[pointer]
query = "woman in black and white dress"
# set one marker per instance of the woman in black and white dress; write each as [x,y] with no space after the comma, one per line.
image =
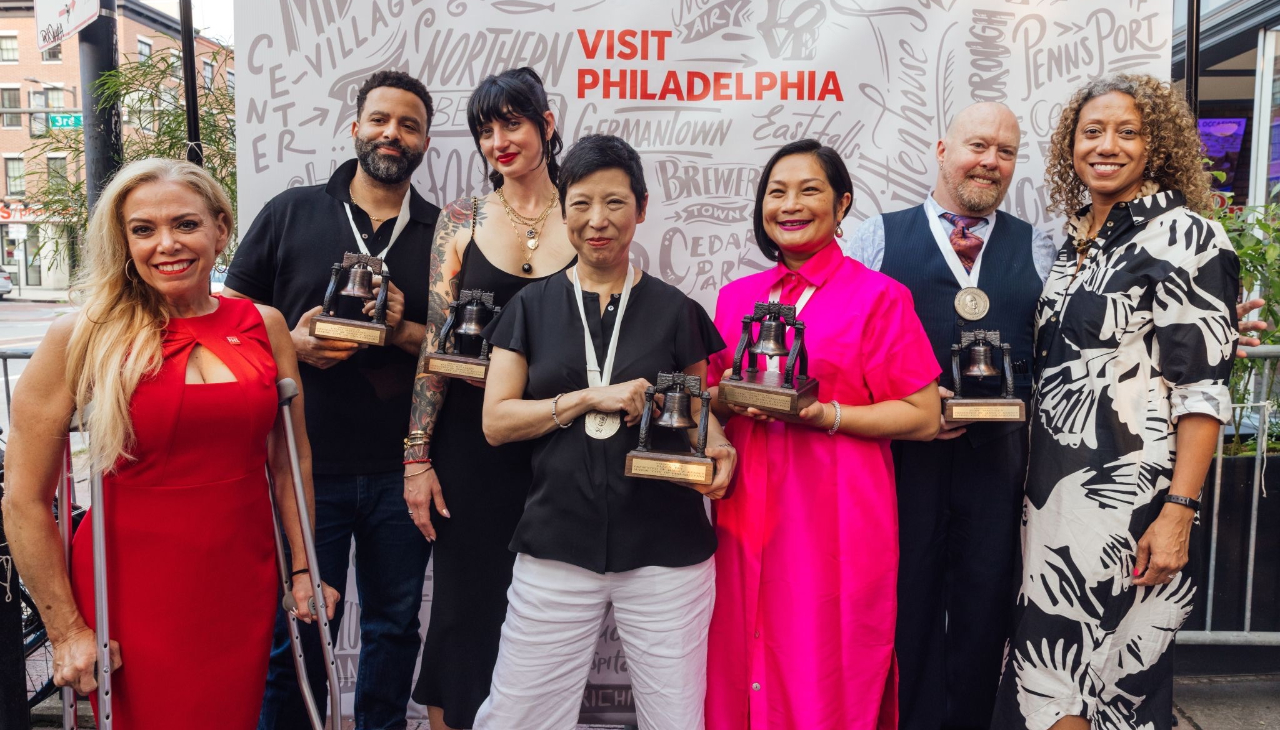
[1136,332]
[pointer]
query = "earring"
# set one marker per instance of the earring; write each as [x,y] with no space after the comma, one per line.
[127,273]
[839,231]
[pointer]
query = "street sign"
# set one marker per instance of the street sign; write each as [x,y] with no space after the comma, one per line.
[66,121]
[58,20]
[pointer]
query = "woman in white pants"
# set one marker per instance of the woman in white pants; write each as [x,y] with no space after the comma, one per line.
[572,357]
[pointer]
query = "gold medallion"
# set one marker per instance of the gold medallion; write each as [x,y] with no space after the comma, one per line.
[972,303]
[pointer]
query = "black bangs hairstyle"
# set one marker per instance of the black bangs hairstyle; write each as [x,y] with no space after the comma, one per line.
[596,152]
[513,94]
[837,177]
[395,80]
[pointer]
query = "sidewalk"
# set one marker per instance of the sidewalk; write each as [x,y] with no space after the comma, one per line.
[1249,702]
[37,294]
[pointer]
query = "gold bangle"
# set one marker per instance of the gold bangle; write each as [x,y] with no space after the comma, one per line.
[418,473]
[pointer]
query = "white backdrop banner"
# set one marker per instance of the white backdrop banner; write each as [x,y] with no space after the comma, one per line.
[704,89]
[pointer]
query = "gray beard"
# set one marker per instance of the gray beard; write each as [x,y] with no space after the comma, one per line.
[386,169]
[972,201]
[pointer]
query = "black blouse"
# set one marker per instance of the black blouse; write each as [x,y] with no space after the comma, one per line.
[582,509]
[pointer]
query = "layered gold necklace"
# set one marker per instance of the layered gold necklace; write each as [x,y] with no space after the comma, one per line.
[527,229]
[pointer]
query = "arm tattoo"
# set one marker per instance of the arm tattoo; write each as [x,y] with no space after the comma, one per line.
[429,390]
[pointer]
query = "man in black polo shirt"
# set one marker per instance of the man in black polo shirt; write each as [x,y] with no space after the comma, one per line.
[357,399]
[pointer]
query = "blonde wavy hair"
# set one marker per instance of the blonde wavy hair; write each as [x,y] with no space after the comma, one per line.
[117,337]
[1174,149]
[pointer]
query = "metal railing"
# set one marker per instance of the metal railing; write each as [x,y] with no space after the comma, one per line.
[1247,636]
[7,354]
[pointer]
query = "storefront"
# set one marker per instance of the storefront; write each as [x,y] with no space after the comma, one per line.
[33,253]
[1239,91]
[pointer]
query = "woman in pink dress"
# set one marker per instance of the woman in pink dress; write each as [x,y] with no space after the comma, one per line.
[806,569]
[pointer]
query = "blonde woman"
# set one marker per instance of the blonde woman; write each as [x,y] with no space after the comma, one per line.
[184,417]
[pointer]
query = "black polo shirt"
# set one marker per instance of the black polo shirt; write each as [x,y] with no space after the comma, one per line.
[357,410]
[582,508]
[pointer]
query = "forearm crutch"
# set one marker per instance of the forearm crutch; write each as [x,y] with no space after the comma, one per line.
[101,618]
[66,481]
[286,391]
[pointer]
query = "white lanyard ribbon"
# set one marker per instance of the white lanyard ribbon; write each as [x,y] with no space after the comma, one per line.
[775,295]
[401,221]
[595,378]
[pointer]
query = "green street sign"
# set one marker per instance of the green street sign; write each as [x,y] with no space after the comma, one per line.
[66,121]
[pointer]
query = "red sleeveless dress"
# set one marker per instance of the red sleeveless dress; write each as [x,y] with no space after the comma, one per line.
[192,581]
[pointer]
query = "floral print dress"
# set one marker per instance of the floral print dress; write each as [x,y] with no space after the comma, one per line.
[1143,334]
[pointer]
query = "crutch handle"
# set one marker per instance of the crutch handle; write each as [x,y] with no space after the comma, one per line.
[286,391]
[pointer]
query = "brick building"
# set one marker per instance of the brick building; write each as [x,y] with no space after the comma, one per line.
[31,80]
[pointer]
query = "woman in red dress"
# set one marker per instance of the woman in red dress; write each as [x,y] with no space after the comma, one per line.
[184,419]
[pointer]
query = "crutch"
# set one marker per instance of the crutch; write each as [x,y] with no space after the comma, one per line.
[286,391]
[66,480]
[102,619]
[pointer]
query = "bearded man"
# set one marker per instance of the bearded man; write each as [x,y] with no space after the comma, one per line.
[959,496]
[357,398]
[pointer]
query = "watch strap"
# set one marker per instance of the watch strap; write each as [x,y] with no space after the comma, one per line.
[1194,504]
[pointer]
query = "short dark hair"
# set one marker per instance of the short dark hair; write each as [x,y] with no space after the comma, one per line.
[596,152]
[837,177]
[394,80]
[514,93]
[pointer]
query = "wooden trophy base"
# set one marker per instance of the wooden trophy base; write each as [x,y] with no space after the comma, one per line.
[764,390]
[687,468]
[348,330]
[457,366]
[984,409]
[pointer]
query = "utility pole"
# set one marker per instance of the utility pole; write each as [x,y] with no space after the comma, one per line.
[99,54]
[195,150]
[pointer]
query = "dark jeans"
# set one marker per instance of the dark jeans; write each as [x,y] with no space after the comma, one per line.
[391,562]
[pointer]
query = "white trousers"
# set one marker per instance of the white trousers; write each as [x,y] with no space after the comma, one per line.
[554,615]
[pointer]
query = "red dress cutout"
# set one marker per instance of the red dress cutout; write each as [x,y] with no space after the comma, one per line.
[192,581]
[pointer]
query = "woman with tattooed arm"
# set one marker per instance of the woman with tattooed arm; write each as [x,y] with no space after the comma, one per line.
[481,243]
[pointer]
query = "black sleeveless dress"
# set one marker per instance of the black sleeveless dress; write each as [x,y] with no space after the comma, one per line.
[485,488]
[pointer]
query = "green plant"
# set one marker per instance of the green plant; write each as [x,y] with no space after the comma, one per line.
[1254,231]
[152,101]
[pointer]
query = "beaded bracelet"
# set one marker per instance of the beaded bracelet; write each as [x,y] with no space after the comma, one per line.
[835,426]
[554,402]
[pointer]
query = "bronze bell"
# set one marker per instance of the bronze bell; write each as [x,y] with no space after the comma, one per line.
[980,361]
[359,283]
[474,318]
[772,341]
[676,410]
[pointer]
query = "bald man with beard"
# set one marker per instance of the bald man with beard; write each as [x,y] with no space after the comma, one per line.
[959,496]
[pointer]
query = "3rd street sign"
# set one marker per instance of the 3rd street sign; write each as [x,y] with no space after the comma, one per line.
[66,121]
[57,20]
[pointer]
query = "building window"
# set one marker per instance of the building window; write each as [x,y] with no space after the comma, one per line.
[9,49]
[231,80]
[53,54]
[39,122]
[11,99]
[144,49]
[55,99]
[56,170]
[15,186]
[175,64]
[208,74]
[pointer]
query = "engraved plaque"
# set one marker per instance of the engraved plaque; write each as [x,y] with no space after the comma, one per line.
[342,330]
[671,470]
[461,369]
[759,399]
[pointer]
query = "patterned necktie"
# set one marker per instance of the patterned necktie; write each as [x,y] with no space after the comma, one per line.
[967,245]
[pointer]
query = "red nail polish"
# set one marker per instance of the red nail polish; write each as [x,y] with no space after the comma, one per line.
[1136,572]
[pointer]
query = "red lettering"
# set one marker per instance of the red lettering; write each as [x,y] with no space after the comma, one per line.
[671,87]
[696,94]
[588,78]
[590,49]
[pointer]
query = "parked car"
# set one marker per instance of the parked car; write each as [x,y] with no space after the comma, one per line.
[6,283]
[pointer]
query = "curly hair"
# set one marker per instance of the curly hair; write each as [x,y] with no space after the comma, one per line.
[1174,149]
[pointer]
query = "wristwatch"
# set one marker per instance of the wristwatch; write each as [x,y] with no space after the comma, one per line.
[1194,504]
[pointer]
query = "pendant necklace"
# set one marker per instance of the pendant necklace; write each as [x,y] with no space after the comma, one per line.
[532,227]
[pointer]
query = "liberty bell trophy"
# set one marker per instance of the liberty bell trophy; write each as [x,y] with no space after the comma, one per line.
[678,391]
[468,351]
[786,390]
[980,345]
[360,269]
